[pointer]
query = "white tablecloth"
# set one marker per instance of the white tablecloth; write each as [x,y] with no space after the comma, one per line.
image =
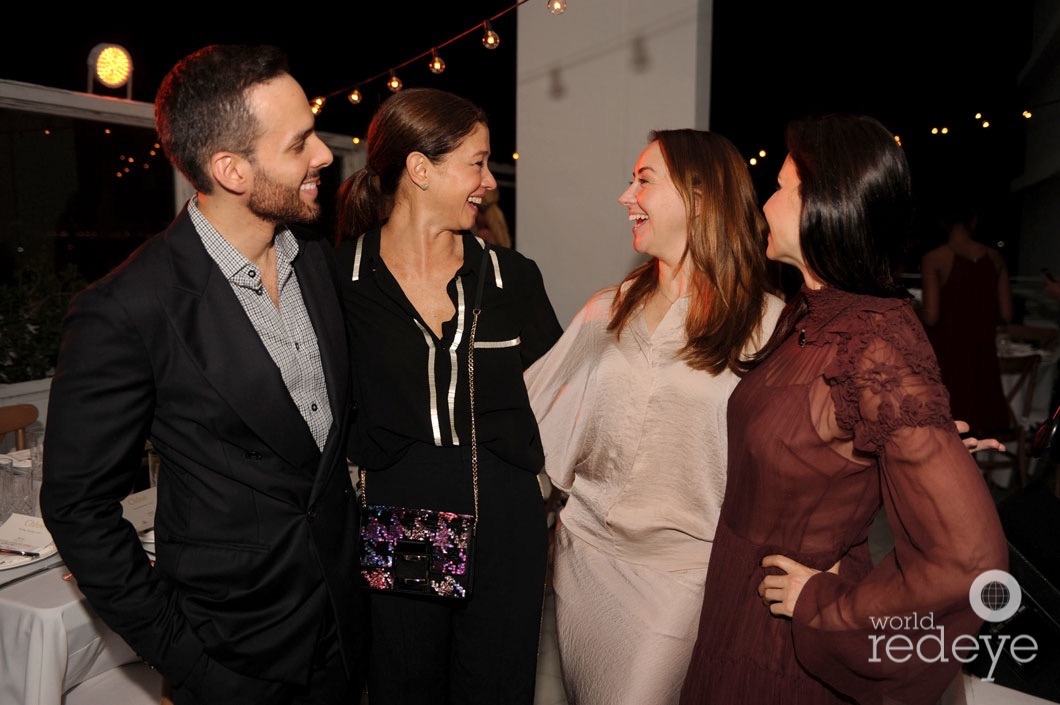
[50,640]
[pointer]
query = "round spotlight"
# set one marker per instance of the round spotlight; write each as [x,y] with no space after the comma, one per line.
[111,64]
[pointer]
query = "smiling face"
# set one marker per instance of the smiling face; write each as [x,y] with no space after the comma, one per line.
[457,183]
[656,209]
[288,155]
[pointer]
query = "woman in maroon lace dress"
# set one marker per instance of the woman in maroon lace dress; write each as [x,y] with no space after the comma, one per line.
[845,410]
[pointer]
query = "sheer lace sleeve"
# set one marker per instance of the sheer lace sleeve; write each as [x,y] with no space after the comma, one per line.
[884,377]
[893,631]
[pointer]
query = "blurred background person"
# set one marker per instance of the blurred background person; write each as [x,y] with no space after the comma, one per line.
[966,296]
[490,224]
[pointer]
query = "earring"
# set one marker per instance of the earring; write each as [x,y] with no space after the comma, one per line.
[423,186]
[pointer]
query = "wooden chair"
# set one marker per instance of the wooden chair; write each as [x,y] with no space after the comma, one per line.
[17,418]
[1020,398]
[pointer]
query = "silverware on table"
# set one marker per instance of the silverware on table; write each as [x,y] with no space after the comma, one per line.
[19,552]
[43,569]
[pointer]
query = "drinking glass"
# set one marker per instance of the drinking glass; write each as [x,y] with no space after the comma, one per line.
[17,488]
[35,443]
[5,493]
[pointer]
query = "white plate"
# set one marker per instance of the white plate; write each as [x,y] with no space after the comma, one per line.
[8,560]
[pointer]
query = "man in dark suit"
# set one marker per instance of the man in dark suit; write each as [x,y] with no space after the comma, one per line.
[222,341]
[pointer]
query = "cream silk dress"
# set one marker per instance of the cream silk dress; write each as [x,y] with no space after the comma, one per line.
[638,440]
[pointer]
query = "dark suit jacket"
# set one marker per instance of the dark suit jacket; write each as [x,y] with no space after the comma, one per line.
[255,527]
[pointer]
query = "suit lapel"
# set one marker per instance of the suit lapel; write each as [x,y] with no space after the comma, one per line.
[201,304]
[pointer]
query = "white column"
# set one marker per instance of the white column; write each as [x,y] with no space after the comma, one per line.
[592,82]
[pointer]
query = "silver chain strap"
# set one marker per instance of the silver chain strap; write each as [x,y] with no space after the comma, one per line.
[471,393]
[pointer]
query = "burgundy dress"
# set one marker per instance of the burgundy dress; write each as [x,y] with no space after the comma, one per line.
[963,339]
[818,434]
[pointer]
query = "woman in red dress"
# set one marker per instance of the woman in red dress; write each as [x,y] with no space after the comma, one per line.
[967,294]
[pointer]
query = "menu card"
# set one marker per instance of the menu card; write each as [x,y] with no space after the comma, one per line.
[139,509]
[22,532]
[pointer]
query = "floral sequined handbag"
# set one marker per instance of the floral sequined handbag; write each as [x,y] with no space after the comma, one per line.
[424,551]
[417,551]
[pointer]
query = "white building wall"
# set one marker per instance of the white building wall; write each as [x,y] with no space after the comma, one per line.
[591,84]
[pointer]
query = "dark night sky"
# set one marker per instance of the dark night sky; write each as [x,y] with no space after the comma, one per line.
[328,52]
[911,64]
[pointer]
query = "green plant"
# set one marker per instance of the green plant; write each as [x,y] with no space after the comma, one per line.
[32,305]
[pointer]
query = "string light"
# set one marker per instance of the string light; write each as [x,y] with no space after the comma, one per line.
[940,133]
[490,39]
[436,65]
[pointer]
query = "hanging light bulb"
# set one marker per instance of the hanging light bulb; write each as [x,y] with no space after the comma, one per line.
[556,7]
[394,84]
[355,96]
[490,40]
[436,65]
[317,105]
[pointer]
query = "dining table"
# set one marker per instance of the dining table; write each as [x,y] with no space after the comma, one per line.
[51,641]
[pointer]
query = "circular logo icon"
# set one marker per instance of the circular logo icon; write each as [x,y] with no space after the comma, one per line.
[995,596]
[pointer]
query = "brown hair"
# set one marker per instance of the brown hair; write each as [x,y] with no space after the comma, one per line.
[725,248]
[201,106]
[427,120]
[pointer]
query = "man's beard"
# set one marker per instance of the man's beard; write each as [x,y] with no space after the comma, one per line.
[277,203]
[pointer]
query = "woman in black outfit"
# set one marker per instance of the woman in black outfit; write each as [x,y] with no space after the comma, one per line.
[414,270]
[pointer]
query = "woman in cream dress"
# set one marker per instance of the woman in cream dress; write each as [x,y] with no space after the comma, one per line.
[631,403]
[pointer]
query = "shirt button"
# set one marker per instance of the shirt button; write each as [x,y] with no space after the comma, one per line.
[252,273]
[313,406]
